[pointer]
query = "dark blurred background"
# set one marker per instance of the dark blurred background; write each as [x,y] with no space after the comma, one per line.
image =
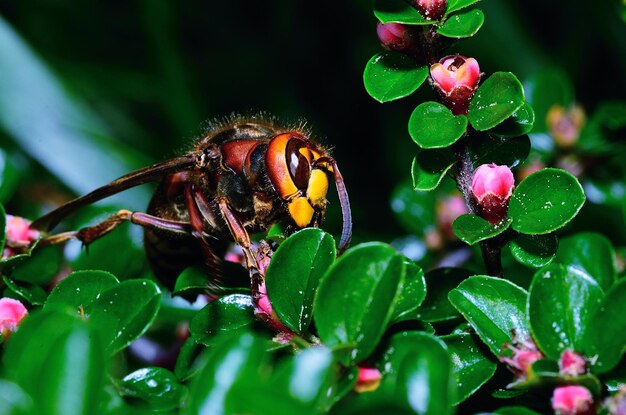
[147,75]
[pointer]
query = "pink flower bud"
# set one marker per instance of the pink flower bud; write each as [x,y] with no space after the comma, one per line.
[524,355]
[11,314]
[18,232]
[396,37]
[368,380]
[430,9]
[565,125]
[456,78]
[572,363]
[492,186]
[573,400]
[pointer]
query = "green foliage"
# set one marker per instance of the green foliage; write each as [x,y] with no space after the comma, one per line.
[389,76]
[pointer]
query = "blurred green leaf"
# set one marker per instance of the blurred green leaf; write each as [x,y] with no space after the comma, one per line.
[32,293]
[508,151]
[534,250]
[229,313]
[124,312]
[9,176]
[545,201]
[436,307]
[186,362]
[515,410]
[546,88]
[389,76]
[560,305]
[3,229]
[156,386]
[604,130]
[432,125]
[13,400]
[294,274]
[356,298]
[496,308]
[412,293]
[390,11]
[472,229]
[81,289]
[413,209]
[471,367]
[499,97]
[191,280]
[430,166]
[520,123]
[591,253]
[41,267]
[464,24]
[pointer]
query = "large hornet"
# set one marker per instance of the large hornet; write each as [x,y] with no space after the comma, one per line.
[240,178]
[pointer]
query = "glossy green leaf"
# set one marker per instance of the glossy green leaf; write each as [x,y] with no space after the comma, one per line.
[432,125]
[471,367]
[59,361]
[192,279]
[591,253]
[520,123]
[436,307]
[560,304]
[294,274]
[464,24]
[186,362]
[13,400]
[430,166]
[509,151]
[495,100]
[42,266]
[546,88]
[545,201]
[472,229]
[355,299]
[496,308]
[412,293]
[229,313]
[534,250]
[156,386]
[80,289]
[390,11]
[605,336]
[389,76]
[454,5]
[124,312]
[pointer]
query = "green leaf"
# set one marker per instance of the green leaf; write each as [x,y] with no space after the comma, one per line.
[294,274]
[43,266]
[34,294]
[124,312]
[414,210]
[59,361]
[545,201]
[389,76]
[436,307]
[560,304]
[3,229]
[80,289]
[229,313]
[186,362]
[191,280]
[496,100]
[156,386]
[603,132]
[13,400]
[429,167]
[432,125]
[454,5]
[390,11]
[412,292]
[508,151]
[463,24]
[546,88]
[515,410]
[496,308]
[472,229]
[605,336]
[592,254]
[471,367]
[520,123]
[355,299]
[534,250]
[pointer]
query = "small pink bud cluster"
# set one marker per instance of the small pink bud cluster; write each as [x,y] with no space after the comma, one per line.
[11,314]
[430,9]
[565,124]
[18,232]
[456,78]
[492,186]
[368,379]
[572,363]
[524,355]
[400,38]
[573,400]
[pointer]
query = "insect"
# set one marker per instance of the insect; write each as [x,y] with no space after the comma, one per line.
[242,177]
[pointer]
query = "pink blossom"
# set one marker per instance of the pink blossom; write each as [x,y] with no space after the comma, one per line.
[525,353]
[456,78]
[11,314]
[431,9]
[565,124]
[18,232]
[368,379]
[492,185]
[572,400]
[572,363]
[395,36]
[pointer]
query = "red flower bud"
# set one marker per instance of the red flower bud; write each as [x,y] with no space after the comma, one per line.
[11,314]
[456,78]
[492,186]
[397,37]
[18,232]
[572,363]
[368,380]
[573,400]
[565,125]
[430,9]
[524,355]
